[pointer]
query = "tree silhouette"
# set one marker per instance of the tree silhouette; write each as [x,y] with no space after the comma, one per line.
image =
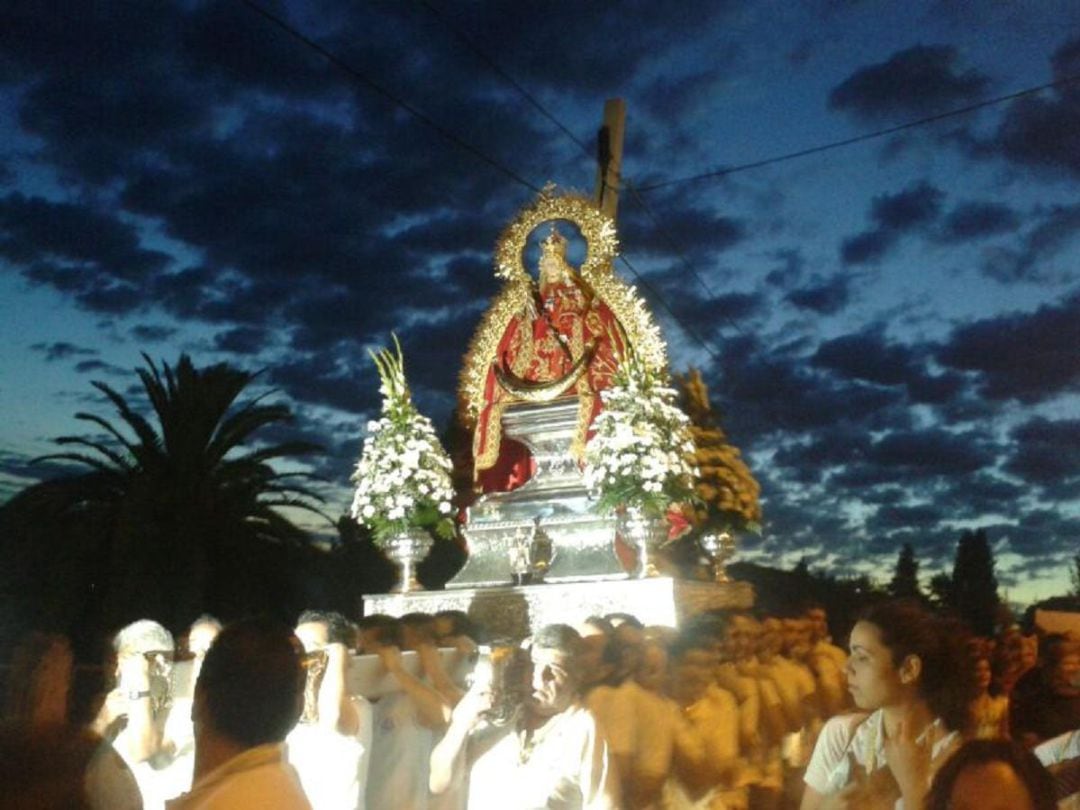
[941,593]
[191,503]
[905,581]
[974,588]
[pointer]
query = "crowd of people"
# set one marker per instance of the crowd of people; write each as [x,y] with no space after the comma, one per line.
[732,711]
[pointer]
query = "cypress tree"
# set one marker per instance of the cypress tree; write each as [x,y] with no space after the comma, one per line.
[974,584]
[905,581]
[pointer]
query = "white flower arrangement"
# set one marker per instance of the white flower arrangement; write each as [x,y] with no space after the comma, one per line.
[641,453]
[403,476]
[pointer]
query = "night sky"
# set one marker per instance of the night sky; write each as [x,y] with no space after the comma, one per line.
[891,329]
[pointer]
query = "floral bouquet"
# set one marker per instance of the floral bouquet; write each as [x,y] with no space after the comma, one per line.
[641,454]
[403,476]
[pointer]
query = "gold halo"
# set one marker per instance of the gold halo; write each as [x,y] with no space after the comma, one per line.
[598,231]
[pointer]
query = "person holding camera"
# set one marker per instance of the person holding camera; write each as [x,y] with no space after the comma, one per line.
[551,752]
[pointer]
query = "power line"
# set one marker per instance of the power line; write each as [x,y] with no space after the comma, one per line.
[491,63]
[390,96]
[475,151]
[667,307]
[471,45]
[867,136]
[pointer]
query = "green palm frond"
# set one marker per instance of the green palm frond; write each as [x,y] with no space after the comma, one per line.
[147,436]
[109,428]
[95,463]
[201,463]
[118,460]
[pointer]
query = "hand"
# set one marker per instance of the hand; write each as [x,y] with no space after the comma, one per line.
[846,799]
[470,709]
[115,705]
[464,645]
[909,761]
[752,740]
[428,653]
[134,672]
[336,653]
[391,658]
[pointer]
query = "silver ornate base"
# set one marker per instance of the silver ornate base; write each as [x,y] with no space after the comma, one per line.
[554,500]
[406,550]
[515,611]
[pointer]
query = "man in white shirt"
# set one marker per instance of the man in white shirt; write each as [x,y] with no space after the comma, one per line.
[552,756]
[1061,755]
[709,766]
[248,697]
[331,744]
[179,739]
[405,724]
[135,713]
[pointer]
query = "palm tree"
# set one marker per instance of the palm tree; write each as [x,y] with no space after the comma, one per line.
[190,502]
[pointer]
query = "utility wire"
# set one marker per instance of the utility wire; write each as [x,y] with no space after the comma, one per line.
[866,136]
[480,53]
[460,142]
[387,94]
[478,153]
[649,288]
[491,63]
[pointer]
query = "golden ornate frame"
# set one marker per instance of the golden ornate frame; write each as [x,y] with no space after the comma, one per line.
[602,244]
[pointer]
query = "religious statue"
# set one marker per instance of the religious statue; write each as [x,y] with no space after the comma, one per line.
[556,337]
[563,342]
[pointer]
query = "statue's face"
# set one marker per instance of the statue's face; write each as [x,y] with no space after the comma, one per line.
[551,265]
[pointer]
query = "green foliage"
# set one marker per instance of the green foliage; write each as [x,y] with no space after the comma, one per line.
[187,494]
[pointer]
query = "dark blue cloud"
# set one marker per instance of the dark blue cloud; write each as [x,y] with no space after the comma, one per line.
[978,220]
[917,81]
[1029,357]
[152,333]
[683,228]
[931,451]
[823,296]
[1032,259]
[833,446]
[914,209]
[32,228]
[62,350]
[982,493]
[1043,132]
[790,269]
[100,367]
[578,52]
[867,356]
[888,518]
[242,340]
[1047,453]
[720,311]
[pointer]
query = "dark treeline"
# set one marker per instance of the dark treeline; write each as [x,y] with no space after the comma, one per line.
[172,509]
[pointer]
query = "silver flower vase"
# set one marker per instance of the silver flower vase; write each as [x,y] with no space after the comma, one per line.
[645,534]
[406,550]
[719,548]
